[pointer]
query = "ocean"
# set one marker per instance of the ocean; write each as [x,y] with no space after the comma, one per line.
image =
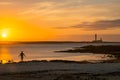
[46,51]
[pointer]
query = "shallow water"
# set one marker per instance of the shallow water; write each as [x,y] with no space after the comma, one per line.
[45,51]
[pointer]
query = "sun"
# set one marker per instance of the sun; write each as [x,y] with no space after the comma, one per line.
[4,35]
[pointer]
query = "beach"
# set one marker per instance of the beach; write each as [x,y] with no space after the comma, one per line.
[59,71]
[42,62]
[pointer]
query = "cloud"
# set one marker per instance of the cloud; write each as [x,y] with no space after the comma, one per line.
[5,3]
[63,12]
[69,8]
[99,25]
[39,8]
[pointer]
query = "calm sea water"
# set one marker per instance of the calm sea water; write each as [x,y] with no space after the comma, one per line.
[46,52]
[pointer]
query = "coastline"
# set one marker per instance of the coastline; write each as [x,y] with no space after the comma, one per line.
[61,70]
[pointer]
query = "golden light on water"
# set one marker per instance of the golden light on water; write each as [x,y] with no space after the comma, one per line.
[4,55]
[4,61]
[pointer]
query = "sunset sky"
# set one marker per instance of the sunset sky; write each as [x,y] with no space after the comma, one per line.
[59,20]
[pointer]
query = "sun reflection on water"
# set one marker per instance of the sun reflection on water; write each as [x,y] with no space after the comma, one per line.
[5,56]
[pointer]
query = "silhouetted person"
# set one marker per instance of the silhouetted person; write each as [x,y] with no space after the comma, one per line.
[22,55]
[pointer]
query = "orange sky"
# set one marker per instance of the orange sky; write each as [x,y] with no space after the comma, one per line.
[51,20]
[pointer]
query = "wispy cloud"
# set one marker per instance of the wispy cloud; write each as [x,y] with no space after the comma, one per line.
[65,12]
[70,8]
[39,8]
[6,3]
[99,25]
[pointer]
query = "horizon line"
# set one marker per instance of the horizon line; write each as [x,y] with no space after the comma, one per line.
[58,42]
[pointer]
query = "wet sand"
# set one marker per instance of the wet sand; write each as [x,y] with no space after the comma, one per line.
[59,71]
[59,75]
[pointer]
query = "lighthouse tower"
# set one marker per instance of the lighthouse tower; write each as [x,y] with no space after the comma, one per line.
[97,40]
[95,37]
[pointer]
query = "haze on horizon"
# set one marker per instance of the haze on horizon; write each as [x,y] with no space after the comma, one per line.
[59,20]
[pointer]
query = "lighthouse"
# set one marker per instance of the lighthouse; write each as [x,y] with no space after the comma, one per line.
[97,40]
[95,37]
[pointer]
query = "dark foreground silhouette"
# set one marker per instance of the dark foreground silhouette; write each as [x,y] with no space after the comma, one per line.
[100,49]
[113,49]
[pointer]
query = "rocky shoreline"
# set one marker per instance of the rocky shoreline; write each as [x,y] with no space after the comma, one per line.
[107,49]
